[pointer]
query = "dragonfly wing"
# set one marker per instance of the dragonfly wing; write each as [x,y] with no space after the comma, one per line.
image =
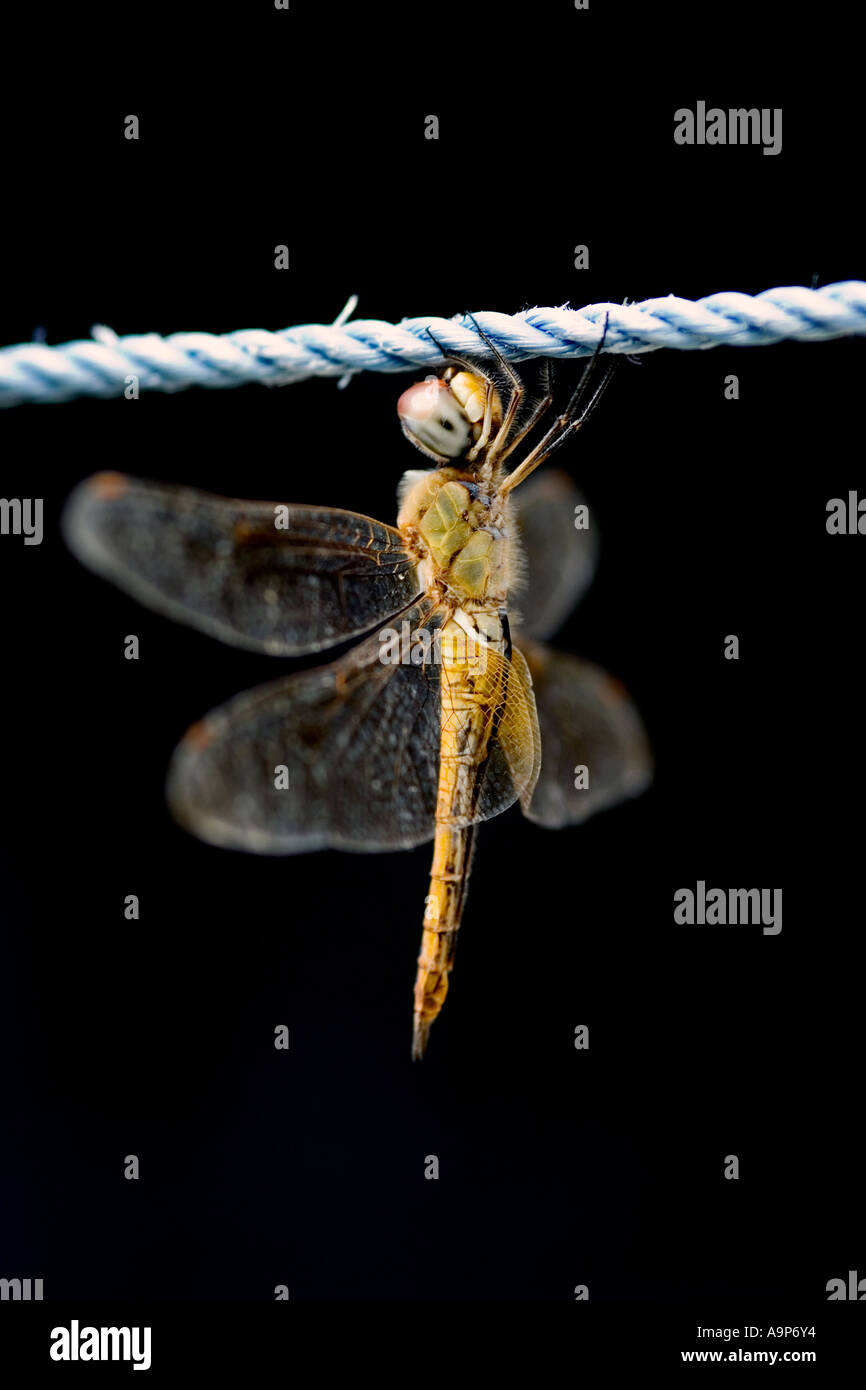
[283,580]
[559,559]
[511,769]
[586,720]
[344,756]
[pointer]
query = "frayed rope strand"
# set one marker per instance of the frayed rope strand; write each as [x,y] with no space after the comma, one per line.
[103,364]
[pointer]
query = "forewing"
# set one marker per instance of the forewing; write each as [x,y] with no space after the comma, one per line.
[231,569]
[586,720]
[558,559]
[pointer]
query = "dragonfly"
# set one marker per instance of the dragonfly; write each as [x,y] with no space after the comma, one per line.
[439,718]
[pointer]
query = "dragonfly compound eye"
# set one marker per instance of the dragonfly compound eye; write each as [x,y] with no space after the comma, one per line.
[433,417]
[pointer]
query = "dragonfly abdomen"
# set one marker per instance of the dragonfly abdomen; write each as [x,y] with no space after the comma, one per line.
[449,876]
[466,720]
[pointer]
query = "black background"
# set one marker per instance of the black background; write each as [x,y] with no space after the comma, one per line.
[558,1167]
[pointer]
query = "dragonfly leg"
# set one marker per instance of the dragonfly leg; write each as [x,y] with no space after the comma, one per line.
[516,395]
[539,409]
[518,391]
[575,414]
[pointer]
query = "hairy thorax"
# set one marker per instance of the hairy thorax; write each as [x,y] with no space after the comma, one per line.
[458,535]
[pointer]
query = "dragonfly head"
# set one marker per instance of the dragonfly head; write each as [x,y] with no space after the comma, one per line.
[443,416]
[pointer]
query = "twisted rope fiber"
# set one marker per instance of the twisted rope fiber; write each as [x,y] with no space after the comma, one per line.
[98,366]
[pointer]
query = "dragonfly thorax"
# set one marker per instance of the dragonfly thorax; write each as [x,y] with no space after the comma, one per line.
[456,533]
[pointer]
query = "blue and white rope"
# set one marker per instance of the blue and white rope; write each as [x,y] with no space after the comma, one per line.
[102,365]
